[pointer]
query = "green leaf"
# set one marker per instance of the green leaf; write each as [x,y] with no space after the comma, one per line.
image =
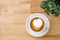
[44,4]
[47,10]
[50,0]
[56,11]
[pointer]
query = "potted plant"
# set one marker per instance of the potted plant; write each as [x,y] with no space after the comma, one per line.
[51,7]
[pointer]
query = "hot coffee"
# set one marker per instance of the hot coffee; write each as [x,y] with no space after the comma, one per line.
[37,24]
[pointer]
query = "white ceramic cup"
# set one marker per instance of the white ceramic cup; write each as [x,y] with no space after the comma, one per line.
[43,31]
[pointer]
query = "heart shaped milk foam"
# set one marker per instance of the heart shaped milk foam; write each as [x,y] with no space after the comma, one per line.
[37,23]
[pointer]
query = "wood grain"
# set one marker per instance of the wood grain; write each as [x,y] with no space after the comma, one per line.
[13,15]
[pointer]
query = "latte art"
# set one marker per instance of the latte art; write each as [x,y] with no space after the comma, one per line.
[37,24]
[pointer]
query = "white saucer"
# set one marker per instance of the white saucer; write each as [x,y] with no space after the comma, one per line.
[44,30]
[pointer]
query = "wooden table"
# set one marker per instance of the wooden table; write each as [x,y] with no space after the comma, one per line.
[13,15]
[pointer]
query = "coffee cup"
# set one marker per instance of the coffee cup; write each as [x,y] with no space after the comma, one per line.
[37,25]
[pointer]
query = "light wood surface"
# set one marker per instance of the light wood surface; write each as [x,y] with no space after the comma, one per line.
[13,15]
